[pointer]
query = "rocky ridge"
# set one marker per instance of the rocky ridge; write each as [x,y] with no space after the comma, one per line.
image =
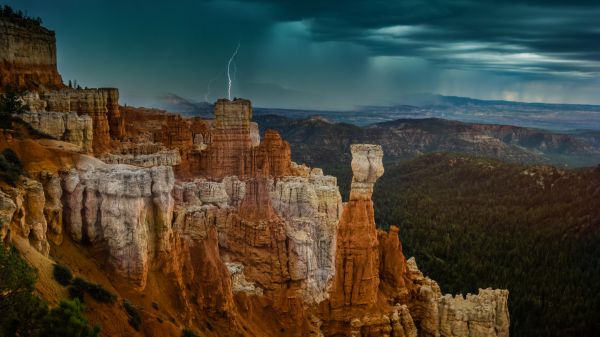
[234,237]
[276,230]
[27,56]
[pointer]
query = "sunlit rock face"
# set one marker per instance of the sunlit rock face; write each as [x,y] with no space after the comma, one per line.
[311,208]
[122,207]
[244,236]
[357,260]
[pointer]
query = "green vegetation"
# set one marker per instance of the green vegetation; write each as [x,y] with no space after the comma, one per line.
[80,286]
[62,274]
[188,333]
[7,12]
[67,320]
[22,313]
[474,222]
[135,319]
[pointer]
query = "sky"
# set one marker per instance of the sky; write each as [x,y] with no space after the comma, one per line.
[324,54]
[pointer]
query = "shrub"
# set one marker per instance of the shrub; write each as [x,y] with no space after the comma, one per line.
[96,291]
[22,313]
[78,288]
[188,333]
[135,320]
[62,274]
[67,320]
[76,292]
[20,310]
[100,294]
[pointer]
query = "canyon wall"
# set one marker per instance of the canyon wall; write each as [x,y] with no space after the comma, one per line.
[251,240]
[101,105]
[27,56]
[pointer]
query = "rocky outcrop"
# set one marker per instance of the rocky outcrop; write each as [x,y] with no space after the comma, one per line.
[115,121]
[484,314]
[27,56]
[7,210]
[311,208]
[357,260]
[367,167]
[122,208]
[66,126]
[101,105]
[249,236]
[160,158]
[228,153]
[23,206]
[240,284]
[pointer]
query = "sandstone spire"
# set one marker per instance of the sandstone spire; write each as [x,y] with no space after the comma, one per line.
[357,260]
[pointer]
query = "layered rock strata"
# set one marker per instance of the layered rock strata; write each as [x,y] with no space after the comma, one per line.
[67,126]
[249,236]
[160,158]
[357,257]
[101,105]
[123,208]
[27,56]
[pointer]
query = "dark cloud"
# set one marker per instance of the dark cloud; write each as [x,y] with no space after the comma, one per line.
[330,54]
[541,36]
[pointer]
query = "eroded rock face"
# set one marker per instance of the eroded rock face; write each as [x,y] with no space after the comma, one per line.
[484,314]
[28,218]
[311,208]
[249,233]
[115,120]
[357,260]
[122,207]
[7,210]
[101,105]
[27,56]
[67,126]
[240,284]
[367,167]
[160,158]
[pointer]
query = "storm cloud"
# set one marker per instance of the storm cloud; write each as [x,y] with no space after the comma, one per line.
[333,54]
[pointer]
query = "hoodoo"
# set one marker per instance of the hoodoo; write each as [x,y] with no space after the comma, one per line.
[203,224]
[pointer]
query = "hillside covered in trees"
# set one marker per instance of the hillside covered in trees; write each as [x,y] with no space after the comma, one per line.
[534,230]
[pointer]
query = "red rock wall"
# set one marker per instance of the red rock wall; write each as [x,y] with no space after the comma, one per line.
[115,120]
[27,56]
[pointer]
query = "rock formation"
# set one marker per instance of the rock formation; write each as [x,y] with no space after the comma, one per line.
[67,126]
[27,56]
[252,235]
[101,105]
[311,208]
[236,238]
[159,158]
[122,207]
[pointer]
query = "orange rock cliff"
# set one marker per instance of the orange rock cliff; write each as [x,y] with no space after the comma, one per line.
[204,225]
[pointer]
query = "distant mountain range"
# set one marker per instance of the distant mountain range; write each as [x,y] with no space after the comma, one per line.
[560,134]
[569,118]
[174,103]
[324,143]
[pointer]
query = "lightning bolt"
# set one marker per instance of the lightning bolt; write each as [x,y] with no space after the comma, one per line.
[228,74]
